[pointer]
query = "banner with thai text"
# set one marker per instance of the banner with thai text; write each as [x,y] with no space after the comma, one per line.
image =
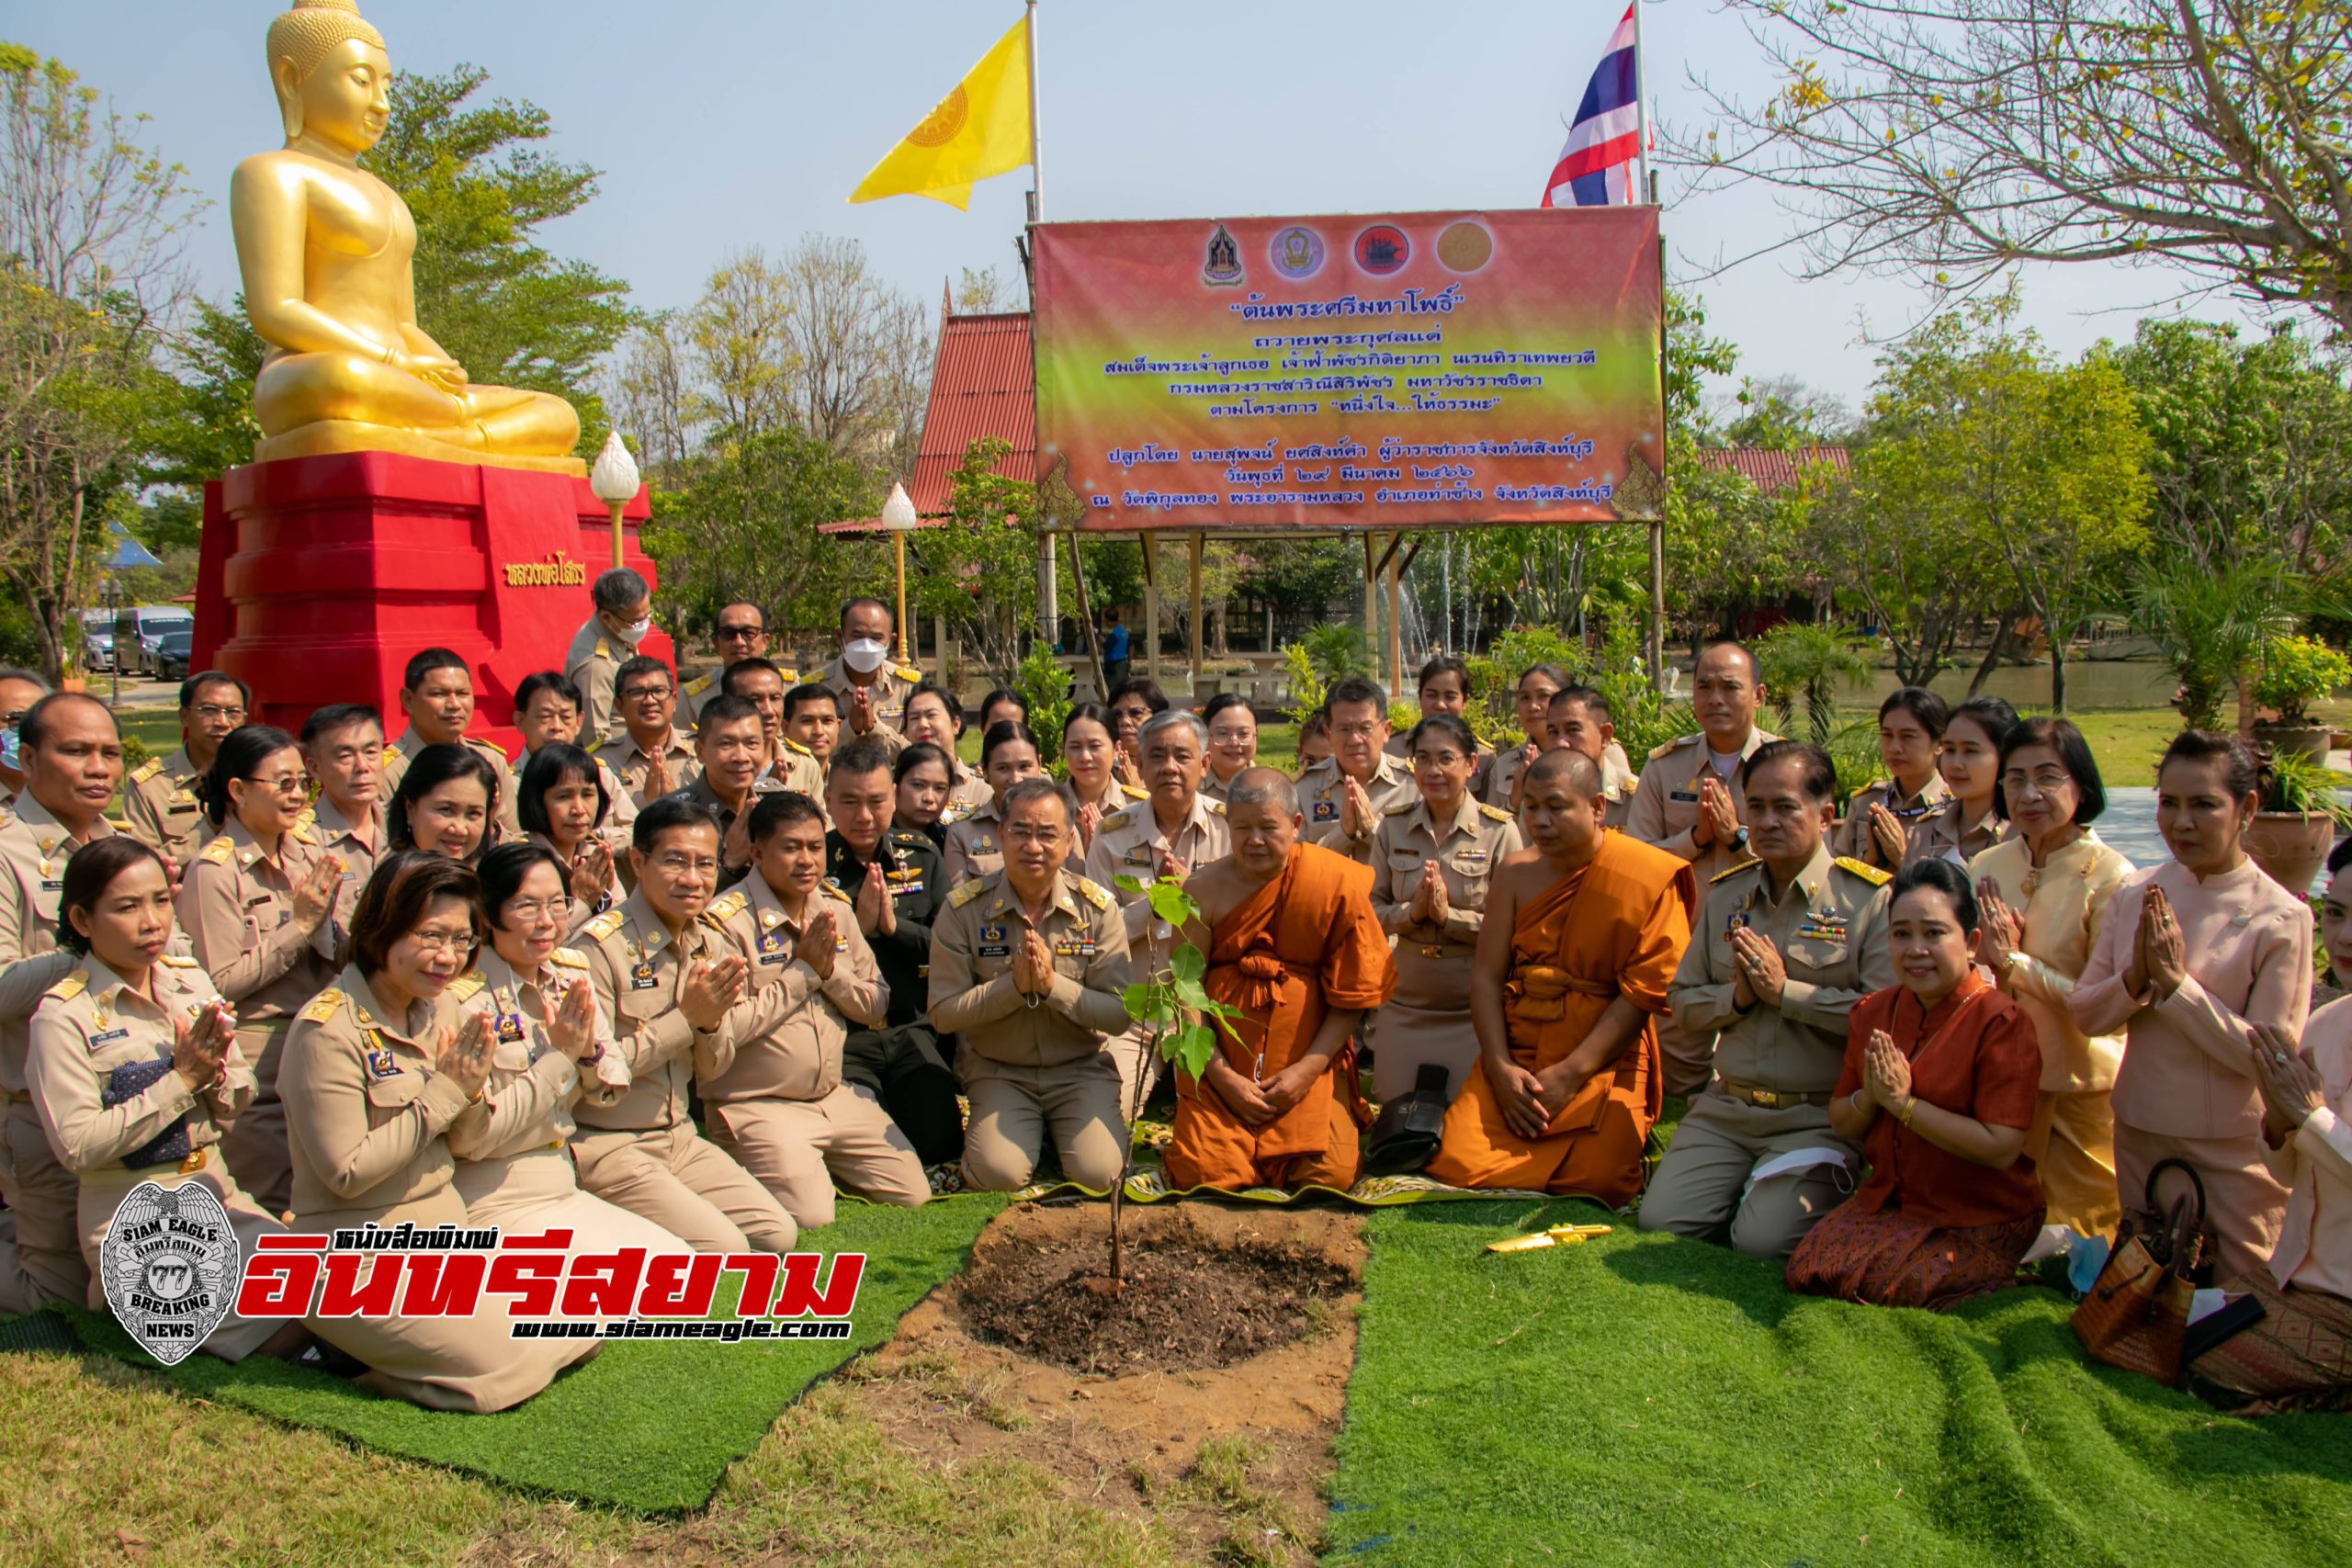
[1406,370]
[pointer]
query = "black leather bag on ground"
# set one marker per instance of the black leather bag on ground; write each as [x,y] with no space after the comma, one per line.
[1406,1134]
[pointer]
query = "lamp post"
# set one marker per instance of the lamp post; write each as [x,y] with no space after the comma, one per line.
[111,592]
[613,480]
[898,518]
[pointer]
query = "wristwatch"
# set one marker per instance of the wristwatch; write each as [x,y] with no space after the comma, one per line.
[1739,839]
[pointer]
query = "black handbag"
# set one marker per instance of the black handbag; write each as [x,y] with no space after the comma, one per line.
[1405,1135]
[129,1081]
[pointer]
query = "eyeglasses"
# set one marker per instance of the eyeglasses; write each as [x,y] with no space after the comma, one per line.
[443,940]
[681,865]
[210,711]
[525,910]
[285,783]
[738,634]
[645,693]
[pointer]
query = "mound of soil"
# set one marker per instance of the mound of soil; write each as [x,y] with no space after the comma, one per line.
[1190,1298]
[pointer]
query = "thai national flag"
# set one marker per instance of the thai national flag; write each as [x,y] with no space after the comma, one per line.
[1595,168]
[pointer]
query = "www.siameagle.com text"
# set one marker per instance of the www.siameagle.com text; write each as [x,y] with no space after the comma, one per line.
[549,1291]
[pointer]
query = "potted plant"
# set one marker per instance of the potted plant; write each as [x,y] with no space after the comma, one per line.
[2302,810]
[2296,672]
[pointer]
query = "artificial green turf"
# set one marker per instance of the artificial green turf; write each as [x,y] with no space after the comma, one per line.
[1644,1399]
[649,1427]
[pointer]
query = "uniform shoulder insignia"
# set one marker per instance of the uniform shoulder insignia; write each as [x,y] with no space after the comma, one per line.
[1216,806]
[604,925]
[65,990]
[725,908]
[309,817]
[1734,871]
[119,824]
[831,891]
[1398,807]
[792,745]
[147,770]
[568,958]
[487,750]
[910,837]
[177,960]
[604,648]
[219,851]
[467,985]
[966,892]
[1493,813]
[1671,746]
[302,832]
[1092,892]
[391,754]
[1135,792]
[323,1006]
[908,672]
[789,677]
[1118,818]
[1863,869]
[697,686]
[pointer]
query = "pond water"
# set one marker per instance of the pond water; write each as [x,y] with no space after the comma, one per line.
[2129,826]
[2109,683]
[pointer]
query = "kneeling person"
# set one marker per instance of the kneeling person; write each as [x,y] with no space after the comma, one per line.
[1583,936]
[780,1105]
[665,984]
[1783,950]
[1028,964]
[1294,944]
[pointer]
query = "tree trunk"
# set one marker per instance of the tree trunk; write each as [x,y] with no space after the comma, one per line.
[1993,655]
[2058,676]
[2246,705]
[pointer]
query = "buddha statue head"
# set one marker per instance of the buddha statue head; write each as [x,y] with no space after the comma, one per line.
[331,75]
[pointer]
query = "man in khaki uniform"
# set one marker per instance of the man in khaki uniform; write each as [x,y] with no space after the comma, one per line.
[160,798]
[665,983]
[742,633]
[650,756]
[731,754]
[781,1107]
[1579,719]
[812,727]
[1688,804]
[438,695]
[1028,964]
[343,749]
[1166,837]
[1344,795]
[72,759]
[872,691]
[1783,947]
[1429,877]
[623,614]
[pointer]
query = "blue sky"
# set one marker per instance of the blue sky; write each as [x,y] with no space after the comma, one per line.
[721,124]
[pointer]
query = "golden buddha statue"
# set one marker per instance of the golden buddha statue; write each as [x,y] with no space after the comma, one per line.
[323,249]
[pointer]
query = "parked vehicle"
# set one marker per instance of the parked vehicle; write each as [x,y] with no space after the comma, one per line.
[171,653]
[98,639]
[138,630]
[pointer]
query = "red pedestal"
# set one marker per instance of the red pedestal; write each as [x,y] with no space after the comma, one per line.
[318,578]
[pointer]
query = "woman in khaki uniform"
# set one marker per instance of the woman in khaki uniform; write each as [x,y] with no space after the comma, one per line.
[565,808]
[549,1050]
[378,1073]
[1969,760]
[447,802]
[135,1066]
[976,845]
[934,714]
[1431,862]
[253,901]
[1877,825]
[2044,893]
[1093,758]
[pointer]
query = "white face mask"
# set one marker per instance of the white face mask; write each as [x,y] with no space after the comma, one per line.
[634,632]
[865,655]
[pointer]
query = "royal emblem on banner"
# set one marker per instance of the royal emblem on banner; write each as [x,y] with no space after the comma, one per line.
[1221,269]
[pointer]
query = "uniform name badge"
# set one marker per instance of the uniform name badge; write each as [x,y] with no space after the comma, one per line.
[772,945]
[106,1036]
[992,943]
[1686,796]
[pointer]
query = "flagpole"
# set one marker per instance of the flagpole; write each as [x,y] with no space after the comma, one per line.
[1036,151]
[1641,100]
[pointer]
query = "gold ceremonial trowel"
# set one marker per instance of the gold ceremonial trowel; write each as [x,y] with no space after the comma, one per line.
[1559,1236]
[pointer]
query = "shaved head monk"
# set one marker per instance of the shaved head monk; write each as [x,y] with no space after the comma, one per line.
[1293,945]
[1582,937]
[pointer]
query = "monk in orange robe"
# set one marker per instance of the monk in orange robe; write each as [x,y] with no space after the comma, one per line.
[1582,935]
[1292,943]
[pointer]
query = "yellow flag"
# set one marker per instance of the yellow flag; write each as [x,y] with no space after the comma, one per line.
[979,129]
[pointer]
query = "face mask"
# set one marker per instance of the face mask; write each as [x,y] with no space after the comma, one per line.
[9,741]
[865,655]
[634,632]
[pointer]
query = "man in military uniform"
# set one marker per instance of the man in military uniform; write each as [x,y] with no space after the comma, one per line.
[1579,719]
[72,757]
[665,983]
[1164,838]
[1783,947]
[729,753]
[1688,804]
[783,1107]
[623,614]
[892,878]
[1344,795]
[438,695]
[342,747]
[649,756]
[160,799]
[1029,966]
[742,633]
[872,691]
